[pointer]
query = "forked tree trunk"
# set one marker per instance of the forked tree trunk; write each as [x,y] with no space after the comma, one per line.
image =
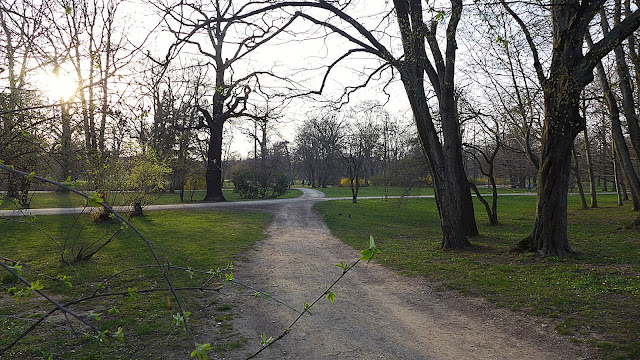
[493,215]
[562,124]
[446,183]
[569,73]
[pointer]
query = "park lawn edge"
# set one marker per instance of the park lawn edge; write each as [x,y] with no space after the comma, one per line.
[593,296]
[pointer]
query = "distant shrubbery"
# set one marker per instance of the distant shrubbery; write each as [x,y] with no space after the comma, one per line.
[484,180]
[250,186]
[344,182]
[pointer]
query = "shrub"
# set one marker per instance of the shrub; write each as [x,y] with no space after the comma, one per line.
[344,182]
[246,184]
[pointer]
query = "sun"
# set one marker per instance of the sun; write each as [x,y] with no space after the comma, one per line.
[61,87]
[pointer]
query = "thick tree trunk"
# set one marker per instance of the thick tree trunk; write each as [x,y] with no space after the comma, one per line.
[136,210]
[214,169]
[446,182]
[562,124]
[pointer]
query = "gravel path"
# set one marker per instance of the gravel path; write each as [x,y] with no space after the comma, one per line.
[377,314]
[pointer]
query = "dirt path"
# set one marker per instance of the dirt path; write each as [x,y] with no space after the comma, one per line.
[377,314]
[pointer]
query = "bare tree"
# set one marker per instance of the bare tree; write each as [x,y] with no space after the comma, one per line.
[621,149]
[224,45]
[569,72]
[21,25]
[418,29]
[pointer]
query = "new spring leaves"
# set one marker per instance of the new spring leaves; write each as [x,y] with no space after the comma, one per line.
[370,252]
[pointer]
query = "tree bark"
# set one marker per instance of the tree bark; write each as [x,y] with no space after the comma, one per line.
[493,215]
[214,161]
[453,198]
[562,124]
[569,73]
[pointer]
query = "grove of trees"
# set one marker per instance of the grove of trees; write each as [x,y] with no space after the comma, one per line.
[498,92]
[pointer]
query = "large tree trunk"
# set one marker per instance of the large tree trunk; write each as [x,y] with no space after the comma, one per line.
[214,163]
[453,197]
[445,181]
[569,73]
[562,123]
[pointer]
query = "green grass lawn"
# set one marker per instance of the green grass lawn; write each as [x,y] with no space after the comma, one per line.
[381,191]
[196,239]
[43,200]
[594,295]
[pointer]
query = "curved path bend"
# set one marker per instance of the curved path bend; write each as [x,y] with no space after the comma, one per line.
[377,313]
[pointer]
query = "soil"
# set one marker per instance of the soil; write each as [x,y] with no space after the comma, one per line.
[377,313]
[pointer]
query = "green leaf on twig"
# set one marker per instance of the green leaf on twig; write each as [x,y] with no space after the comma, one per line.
[35,286]
[119,335]
[95,200]
[102,336]
[344,266]
[370,252]
[331,296]
[132,294]
[181,321]
[95,316]
[264,341]
[201,351]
